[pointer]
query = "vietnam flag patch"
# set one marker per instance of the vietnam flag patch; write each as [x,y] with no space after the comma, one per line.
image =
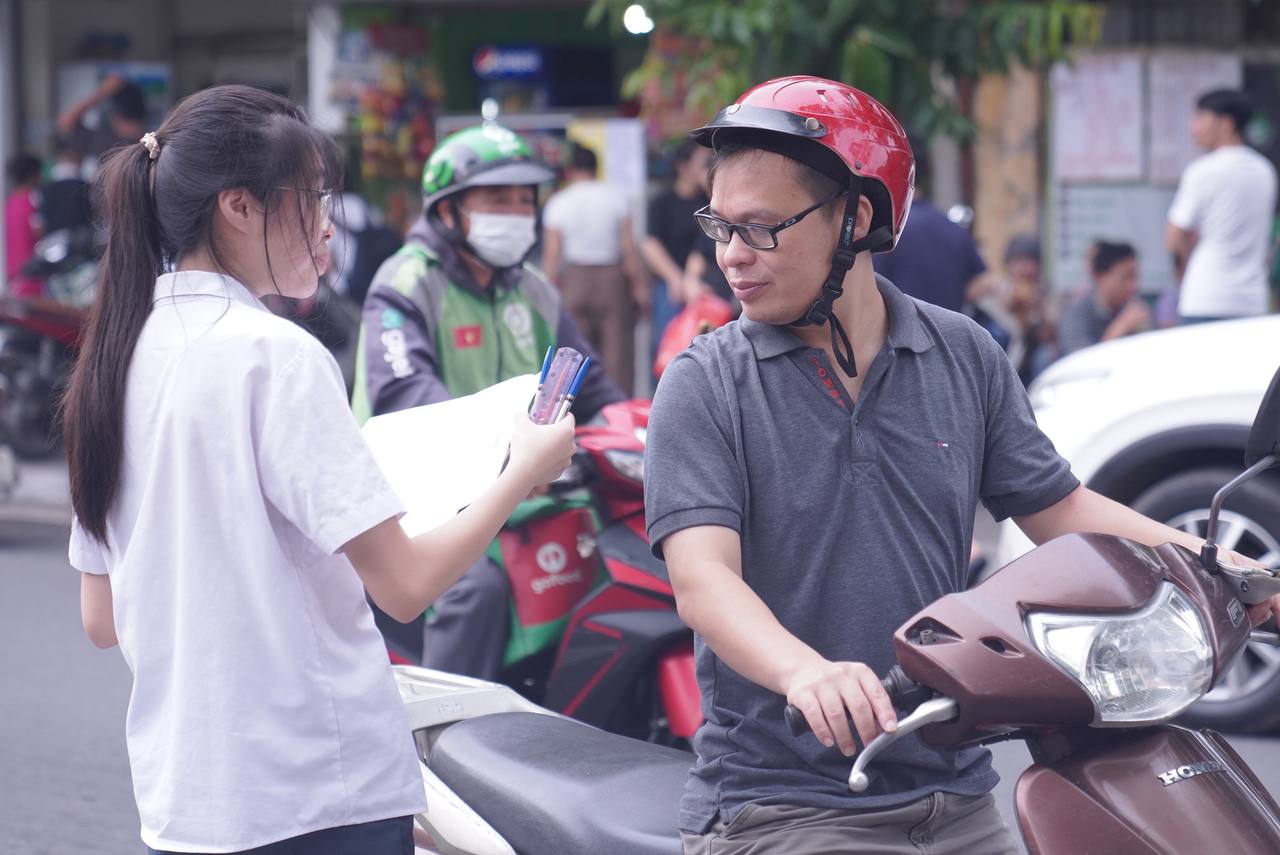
[466,338]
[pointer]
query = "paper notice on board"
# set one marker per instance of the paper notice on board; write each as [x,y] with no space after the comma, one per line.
[1097,119]
[442,457]
[1177,80]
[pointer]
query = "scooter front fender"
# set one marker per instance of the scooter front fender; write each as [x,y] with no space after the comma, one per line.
[1166,790]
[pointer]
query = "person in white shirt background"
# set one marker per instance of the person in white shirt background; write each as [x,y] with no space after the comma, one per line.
[228,515]
[1221,218]
[590,252]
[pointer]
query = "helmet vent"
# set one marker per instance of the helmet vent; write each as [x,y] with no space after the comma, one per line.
[822,94]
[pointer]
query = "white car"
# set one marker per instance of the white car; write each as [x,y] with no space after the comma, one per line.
[1158,421]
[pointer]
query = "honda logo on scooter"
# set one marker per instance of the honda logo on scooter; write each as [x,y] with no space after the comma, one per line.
[1182,773]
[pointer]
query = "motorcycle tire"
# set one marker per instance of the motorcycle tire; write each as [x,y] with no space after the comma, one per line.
[26,420]
[1187,495]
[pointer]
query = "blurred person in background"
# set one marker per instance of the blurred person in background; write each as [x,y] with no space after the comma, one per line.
[1113,308]
[1013,310]
[702,275]
[21,222]
[125,119]
[64,199]
[935,260]
[1220,220]
[454,311]
[672,234]
[360,243]
[590,252]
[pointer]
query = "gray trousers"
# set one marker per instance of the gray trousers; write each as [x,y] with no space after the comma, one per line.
[466,630]
[939,824]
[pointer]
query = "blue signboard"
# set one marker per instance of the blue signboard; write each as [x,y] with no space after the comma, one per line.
[507,62]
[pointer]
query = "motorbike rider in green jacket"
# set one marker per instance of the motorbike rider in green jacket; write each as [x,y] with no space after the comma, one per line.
[455,310]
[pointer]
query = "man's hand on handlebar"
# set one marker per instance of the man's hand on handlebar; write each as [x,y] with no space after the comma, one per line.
[823,692]
[1259,613]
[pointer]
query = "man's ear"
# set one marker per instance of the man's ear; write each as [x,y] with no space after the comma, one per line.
[444,210]
[238,208]
[863,223]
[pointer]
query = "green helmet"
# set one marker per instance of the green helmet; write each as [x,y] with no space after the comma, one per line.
[483,156]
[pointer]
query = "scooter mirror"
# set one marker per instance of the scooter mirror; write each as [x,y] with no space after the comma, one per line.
[1262,451]
[1264,437]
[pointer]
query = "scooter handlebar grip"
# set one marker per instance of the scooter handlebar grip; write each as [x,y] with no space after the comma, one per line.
[903,693]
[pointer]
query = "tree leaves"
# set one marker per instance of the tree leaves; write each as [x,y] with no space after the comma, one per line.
[891,48]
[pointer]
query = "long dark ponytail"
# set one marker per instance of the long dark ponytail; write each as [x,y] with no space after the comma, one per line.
[154,212]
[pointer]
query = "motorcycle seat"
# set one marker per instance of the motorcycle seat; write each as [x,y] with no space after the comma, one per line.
[554,786]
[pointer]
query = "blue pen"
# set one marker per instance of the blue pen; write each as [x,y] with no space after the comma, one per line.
[546,366]
[573,389]
[542,378]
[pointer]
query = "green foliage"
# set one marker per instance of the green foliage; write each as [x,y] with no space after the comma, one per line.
[897,50]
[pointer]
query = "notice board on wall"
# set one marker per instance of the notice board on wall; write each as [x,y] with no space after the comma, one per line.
[1175,81]
[1119,141]
[1097,119]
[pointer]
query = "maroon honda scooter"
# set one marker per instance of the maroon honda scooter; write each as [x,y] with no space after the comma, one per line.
[1086,648]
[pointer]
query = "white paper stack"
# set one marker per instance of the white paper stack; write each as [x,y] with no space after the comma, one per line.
[442,457]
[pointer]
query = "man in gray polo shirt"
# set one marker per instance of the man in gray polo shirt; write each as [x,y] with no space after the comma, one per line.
[806,510]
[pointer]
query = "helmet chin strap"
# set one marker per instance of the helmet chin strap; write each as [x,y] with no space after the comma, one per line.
[847,251]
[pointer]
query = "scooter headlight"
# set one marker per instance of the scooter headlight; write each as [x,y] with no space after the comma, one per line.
[1145,666]
[629,464]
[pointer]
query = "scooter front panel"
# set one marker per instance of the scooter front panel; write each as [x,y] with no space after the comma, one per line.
[1165,791]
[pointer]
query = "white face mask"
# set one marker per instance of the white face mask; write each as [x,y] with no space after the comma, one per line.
[502,240]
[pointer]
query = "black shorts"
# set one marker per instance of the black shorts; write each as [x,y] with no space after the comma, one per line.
[382,837]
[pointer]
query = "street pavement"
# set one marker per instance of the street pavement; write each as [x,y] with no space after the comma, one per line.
[64,773]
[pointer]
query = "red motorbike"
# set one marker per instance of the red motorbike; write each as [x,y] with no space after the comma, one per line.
[39,337]
[594,631]
[38,340]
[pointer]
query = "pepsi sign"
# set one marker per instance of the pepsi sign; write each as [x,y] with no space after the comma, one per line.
[497,62]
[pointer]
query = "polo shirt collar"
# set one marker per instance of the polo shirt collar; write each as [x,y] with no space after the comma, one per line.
[202,283]
[906,330]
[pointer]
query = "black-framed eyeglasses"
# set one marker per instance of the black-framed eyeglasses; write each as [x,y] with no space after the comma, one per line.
[754,235]
[325,197]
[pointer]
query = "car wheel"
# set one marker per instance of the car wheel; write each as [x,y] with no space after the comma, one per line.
[1246,698]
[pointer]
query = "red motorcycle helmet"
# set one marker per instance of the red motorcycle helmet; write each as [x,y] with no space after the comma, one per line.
[809,119]
[845,134]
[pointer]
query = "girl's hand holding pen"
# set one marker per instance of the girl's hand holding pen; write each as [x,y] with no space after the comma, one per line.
[540,453]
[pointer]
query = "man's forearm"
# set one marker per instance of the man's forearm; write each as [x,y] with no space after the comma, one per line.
[660,261]
[741,629]
[1086,511]
[1179,242]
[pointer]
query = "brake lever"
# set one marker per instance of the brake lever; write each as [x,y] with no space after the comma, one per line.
[1261,636]
[930,712]
[1252,585]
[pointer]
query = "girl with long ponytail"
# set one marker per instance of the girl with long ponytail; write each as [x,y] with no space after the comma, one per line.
[229,518]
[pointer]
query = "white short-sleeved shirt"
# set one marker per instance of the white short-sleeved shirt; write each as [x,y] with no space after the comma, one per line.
[263,703]
[1228,198]
[588,215]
